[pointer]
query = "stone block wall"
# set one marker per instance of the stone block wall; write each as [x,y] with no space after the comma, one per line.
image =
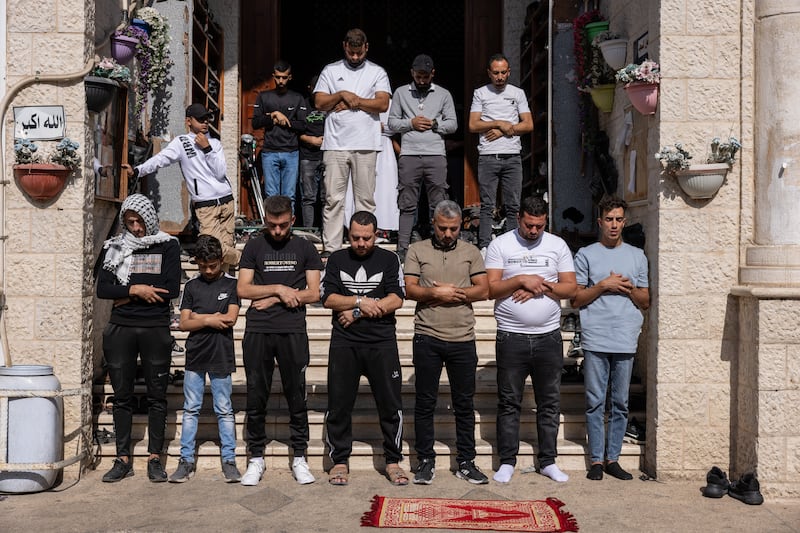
[47,255]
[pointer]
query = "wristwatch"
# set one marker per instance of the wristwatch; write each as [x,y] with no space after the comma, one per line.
[357,308]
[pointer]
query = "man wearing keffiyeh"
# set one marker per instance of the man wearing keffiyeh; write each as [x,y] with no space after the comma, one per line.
[141,273]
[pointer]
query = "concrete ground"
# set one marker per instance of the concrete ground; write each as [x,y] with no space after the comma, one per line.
[279,504]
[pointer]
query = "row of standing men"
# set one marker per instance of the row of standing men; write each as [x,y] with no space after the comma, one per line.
[527,272]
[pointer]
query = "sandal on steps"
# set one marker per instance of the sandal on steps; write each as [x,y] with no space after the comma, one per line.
[338,475]
[396,475]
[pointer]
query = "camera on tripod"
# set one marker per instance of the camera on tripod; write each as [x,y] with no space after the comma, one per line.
[247,147]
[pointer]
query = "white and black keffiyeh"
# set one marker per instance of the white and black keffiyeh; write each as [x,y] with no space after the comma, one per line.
[120,248]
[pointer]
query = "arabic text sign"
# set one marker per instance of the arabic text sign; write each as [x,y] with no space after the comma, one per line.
[39,123]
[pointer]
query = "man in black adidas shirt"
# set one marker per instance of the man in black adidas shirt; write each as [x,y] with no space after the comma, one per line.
[363,285]
[280,274]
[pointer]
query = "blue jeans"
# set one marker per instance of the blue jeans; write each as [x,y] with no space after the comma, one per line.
[540,357]
[193,388]
[461,361]
[280,173]
[598,369]
[507,171]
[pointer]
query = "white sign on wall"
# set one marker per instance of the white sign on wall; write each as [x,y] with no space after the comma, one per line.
[39,123]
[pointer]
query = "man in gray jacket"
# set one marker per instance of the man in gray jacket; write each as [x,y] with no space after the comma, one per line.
[423,113]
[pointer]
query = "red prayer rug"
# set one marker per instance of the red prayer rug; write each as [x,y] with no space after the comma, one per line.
[544,516]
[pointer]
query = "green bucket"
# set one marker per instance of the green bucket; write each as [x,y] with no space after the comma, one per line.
[594,28]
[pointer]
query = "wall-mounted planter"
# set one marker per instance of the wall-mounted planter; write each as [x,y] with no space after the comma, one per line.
[702,181]
[99,92]
[603,96]
[643,96]
[41,181]
[594,28]
[123,48]
[144,26]
[614,52]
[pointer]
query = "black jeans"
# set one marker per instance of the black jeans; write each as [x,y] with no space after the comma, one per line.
[461,361]
[381,365]
[290,350]
[122,345]
[540,357]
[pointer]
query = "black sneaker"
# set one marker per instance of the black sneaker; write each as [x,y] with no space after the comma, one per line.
[634,433]
[747,489]
[716,483]
[231,472]
[469,472]
[595,472]
[184,472]
[155,471]
[426,471]
[613,469]
[575,348]
[119,471]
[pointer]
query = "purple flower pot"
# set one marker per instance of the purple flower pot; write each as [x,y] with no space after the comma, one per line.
[123,48]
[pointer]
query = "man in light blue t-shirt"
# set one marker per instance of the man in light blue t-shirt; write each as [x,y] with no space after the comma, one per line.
[612,293]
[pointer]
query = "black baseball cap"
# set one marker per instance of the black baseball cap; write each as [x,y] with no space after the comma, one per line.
[198,111]
[422,62]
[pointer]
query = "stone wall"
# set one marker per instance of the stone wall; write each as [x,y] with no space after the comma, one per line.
[47,255]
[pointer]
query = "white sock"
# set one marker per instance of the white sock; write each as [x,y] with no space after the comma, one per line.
[554,473]
[503,475]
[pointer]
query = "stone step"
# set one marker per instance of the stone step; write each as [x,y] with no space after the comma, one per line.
[367,456]
[365,424]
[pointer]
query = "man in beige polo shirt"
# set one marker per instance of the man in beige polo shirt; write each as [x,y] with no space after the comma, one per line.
[445,275]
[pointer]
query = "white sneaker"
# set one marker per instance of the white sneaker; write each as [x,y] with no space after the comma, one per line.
[301,471]
[255,469]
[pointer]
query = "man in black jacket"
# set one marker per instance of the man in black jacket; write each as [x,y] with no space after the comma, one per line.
[141,273]
[282,114]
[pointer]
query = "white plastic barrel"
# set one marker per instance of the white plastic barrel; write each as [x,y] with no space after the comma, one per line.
[35,427]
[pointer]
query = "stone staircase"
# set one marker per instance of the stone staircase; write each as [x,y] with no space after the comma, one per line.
[367,450]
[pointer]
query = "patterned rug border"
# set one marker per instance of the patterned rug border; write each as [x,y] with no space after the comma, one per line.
[540,516]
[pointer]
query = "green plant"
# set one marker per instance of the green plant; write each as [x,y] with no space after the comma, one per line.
[647,72]
[65,153]
[605,36]
[109,68]
[724,152]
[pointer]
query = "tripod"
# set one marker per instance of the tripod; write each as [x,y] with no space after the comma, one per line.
[247,157]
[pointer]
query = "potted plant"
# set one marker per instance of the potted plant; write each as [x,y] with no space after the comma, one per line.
[599,81]
[102,83]
[44,178]
[641,83]
[613,47]
[153,57]
[700,181]
[124,43]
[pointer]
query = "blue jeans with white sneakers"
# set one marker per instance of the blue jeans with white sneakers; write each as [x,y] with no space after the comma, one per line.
[601,370]
[193,388]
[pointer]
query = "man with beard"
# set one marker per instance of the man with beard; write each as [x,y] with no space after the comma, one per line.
[280,274]
[282,114]
[445,275]
[363,286]
[529,271]
[354,91]
[500,114]
[423,113]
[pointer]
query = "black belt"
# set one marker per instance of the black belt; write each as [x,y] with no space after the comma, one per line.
[500,156]
[219,201]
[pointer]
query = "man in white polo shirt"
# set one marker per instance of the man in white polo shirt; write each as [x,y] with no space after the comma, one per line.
[529,272]
[354,92]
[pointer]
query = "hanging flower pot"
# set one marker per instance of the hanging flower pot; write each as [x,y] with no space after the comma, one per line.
[99,92]
[603,96]
[139,23]
[702,181]
[41,181]
[593,28]
[643,96]
[123,48]
[614,52]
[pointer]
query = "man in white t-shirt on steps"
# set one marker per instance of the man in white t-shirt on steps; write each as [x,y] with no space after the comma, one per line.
[529,272]
[354,91]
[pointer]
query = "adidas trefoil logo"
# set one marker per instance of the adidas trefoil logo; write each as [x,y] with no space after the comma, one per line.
[361,284]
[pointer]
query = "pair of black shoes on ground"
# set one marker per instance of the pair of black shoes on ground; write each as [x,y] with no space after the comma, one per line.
[746,488]
[612,469]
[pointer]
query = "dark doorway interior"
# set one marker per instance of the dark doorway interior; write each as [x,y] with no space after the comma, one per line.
[311,33]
